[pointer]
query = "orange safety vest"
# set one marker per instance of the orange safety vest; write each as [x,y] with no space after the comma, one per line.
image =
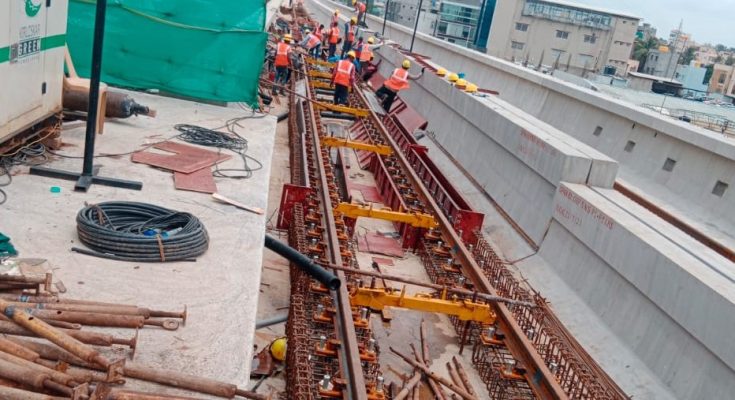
[282,52]
[398,81]
[313,41]
[351,33]
[334,35]
[366,53]
[344,72]
[318,33]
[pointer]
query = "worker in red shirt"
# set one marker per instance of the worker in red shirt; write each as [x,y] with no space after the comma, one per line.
[319,32]
[311,43]
[333,38]
[283,61]
[398,81]
[343,77]
[349,39]
[360,9]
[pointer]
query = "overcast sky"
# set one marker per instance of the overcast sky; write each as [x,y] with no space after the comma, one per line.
[707,20]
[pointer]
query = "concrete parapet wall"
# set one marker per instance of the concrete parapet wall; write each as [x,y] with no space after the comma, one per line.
[519,159]
[673,308]
[702,157]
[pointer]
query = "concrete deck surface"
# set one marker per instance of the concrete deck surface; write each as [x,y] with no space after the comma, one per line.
[220,289]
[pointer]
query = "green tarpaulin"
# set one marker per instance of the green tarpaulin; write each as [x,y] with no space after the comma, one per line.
[206,49]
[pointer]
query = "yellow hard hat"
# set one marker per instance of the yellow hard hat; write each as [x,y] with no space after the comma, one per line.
[453,77]
[278,349]
[406,64]
[471,88]
[441,72]
[287,37]
[353,20]
[371,40]
[354,2]
[351,54]
[336,10]
[461,83]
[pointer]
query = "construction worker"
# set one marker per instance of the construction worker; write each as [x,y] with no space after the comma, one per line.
[360,9]
[319,32]
[335,17]
[350,32]
[333,38]
[398,81]
[283,61]
[311,43]
[366,54]
[343,77]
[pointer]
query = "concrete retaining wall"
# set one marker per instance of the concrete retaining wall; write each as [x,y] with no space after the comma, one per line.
[517,158]
[674,310]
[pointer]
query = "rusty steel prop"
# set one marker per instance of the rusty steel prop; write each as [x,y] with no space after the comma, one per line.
[86,337]
[432,375]
[8,393]
[38,380]
[32,281]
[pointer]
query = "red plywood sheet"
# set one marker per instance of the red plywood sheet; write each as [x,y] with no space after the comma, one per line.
[197,181]
[369,193]
[383,261]
[186,159]
[377,244]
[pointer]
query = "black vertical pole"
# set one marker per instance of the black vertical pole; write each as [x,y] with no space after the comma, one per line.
[416,26]
[94,92]
[385,16]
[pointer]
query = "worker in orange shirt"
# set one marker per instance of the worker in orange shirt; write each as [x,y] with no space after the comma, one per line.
[335,17]
[349,39]
[360,9]
[366,54]
[283,61]
[333,38]
[398,81]
[311,43]
[343,77]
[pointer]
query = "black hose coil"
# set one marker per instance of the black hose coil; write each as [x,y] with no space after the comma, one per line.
[131,231]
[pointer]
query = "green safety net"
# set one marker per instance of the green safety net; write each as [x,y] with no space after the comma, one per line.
[204,49]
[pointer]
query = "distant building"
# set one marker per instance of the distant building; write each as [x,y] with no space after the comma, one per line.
[465,22]
[575,38]
[679,40]
[706,55]
[692,79]
[645,32]
[651,83]
[632,66]
[722,81]
[661,62]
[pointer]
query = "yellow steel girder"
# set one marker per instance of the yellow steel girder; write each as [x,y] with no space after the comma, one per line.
[375,148]
[320,74]
[321,84]
[358,112]
[315,61]
[418,220]
[378,298]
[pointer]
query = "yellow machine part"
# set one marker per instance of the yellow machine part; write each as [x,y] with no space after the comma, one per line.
[320,84]
[320,74]
[339,142]
[417,220]
[358,112]
[314,61]
[378,298]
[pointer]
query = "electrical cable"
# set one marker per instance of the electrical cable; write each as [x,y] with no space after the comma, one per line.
[31,155]
[229,140]
[131,231]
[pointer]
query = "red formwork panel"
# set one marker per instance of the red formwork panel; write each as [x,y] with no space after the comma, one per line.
[291,195]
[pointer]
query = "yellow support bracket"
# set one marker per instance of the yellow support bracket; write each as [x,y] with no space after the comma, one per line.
[314,61]
[320,74]
[358,112]
[321,84]
[418,220]
[339,142]
[378,298]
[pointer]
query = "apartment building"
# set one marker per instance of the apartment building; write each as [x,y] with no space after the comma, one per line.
[563,35]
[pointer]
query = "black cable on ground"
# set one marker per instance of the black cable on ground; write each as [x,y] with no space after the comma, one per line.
[32,154]
[131,231]
[229,140]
